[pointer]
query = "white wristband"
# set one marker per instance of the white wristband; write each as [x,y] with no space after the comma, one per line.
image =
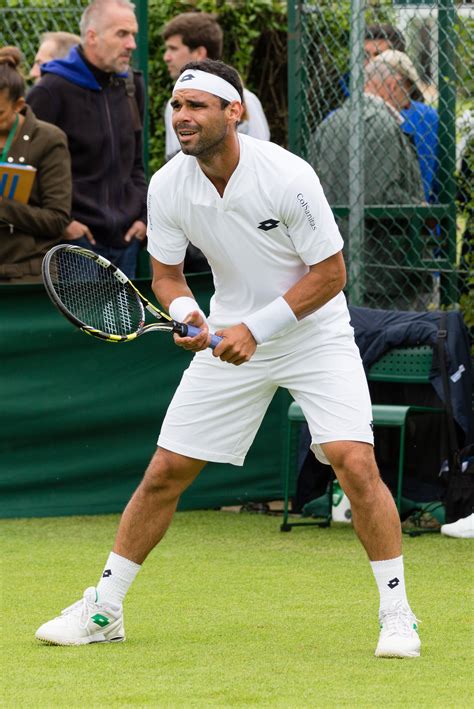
[180,308]
[273,318]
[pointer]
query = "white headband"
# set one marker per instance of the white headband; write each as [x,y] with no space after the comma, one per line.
[203,81]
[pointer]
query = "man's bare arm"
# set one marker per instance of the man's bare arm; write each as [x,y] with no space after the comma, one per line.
[168,282]
[323,281]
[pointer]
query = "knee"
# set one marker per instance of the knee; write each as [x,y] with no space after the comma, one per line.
[357,472]
[160,478]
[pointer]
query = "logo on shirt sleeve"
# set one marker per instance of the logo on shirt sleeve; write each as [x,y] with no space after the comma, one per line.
[305,206]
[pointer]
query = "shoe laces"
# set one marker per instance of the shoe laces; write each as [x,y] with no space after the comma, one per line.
[398,619]
[83,608]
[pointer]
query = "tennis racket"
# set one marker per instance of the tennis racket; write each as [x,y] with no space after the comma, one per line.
[100,299]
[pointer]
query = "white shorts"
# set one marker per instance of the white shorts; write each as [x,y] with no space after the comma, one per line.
[218,407]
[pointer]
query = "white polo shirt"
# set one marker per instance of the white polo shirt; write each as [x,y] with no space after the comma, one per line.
[271,224]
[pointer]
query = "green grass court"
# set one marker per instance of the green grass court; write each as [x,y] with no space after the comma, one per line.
[229,612]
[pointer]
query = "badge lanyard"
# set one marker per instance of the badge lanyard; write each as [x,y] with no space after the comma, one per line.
[11,135]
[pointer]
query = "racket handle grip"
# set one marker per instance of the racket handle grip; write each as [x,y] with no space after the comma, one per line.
[193,331]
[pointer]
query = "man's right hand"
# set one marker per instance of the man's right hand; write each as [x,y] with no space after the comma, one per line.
[199,342]
[76,230]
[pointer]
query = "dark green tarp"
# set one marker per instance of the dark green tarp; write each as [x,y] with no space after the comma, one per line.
[79,418]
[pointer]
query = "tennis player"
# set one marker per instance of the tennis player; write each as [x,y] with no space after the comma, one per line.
[260,216]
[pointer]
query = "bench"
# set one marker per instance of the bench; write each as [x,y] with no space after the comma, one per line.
[407,365]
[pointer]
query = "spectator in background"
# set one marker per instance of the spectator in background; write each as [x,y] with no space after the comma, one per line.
[379,38]
[420,120]
[194,36]
[27,231]
[391,176]
[53,45]
[392,173]
[99,103]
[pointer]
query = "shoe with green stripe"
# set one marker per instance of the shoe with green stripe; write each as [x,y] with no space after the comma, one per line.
[398,632]
[87,621]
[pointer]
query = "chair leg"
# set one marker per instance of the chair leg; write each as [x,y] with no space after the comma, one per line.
[401,461]
[285,527]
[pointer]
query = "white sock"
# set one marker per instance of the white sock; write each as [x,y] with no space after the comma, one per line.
[390,579]
[116,579]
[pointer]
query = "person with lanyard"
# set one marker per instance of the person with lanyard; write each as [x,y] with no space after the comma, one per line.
[260,216]
[28,228]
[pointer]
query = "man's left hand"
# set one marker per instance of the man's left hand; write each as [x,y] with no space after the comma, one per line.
[237,346]
[136,231]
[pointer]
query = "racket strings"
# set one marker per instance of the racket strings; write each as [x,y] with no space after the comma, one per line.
[94,295]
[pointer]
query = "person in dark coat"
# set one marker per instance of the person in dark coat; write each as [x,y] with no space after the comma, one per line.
[99,103]
[28,230]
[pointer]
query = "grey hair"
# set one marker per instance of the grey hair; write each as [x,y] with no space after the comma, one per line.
[378,71]
[92,13]
[64,42]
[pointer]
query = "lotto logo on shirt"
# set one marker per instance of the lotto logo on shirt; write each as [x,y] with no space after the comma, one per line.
[304,205]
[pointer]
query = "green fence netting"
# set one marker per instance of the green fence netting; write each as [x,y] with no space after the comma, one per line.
[387,148]
[408,236]
[22,22]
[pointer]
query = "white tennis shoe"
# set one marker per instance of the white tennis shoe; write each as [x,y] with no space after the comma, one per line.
[398,632]
[463,528]
[86,621]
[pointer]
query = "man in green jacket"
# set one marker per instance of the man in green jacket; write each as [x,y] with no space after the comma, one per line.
[391,177]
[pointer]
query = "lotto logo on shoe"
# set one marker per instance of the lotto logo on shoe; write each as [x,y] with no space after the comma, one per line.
[100,620]
[393,583]
[106,574]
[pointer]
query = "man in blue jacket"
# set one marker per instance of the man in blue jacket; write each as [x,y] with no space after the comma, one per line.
[99,103]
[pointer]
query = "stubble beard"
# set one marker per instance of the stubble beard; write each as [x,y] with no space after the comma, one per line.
[205,148]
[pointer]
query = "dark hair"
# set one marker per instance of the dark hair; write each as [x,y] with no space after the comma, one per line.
[197,29]
[226,72]
[389,33]
[11,77]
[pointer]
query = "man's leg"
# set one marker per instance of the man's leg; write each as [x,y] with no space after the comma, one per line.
[374,513]
[150,510]
[98,617]
[377,524]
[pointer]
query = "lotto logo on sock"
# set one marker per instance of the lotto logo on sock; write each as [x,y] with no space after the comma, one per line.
[108,573]
[393,583]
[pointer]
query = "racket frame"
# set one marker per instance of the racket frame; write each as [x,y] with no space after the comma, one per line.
[164,324]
